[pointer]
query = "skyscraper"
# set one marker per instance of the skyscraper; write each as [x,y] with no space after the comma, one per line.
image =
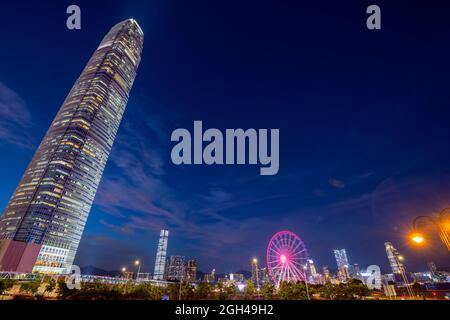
[175,268]
[394,258]
[191,271]
[432,267]
[397,266]
[326,274]
[342,262]
[161,253]
[42,225]
[311,271]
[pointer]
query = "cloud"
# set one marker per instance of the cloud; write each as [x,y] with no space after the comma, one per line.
[336,183]
[15,119]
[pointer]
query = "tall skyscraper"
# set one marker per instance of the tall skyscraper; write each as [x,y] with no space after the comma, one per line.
[342,262]
[42,225]
[175,268]
[394,258]
[161,254]
[311,271]
[397,266]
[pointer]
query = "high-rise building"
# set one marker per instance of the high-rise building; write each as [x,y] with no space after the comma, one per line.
[398,268]
[255,272]
[432,267]
[191,271]
[342,263]
[394,258]
[175,268]
[311,272]
[210,277]
[42,225]
[326,274]
[161,254]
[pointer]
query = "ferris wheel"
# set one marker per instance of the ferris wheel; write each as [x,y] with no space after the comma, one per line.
[287,258]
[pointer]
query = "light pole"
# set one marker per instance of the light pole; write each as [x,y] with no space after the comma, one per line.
[440,222]
[255,265]
[306,281]
[138,264]
[404,276]
[181,282]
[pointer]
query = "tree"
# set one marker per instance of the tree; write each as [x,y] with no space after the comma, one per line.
[353,289]
[202,291]
[30,287]
[50,286]
[187,291]
[225,291]
[292,291]
[250,289]
[145,291]
[268,291]
[62,290]
[327,291]
[5,285]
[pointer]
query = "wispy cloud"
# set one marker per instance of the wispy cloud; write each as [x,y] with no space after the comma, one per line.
[15,119]
[339,184]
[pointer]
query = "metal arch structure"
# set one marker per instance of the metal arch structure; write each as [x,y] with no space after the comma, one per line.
[287,258]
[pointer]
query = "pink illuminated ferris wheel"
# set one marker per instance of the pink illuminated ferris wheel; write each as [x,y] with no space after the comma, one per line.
[287,258]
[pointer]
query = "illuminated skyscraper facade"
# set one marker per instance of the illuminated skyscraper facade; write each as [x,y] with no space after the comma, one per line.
[161,254]
[191,271]
[42,225]
[175,268]
[342,263]
[394,258]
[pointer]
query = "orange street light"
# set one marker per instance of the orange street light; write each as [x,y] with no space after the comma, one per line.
[417,238]
[440,222]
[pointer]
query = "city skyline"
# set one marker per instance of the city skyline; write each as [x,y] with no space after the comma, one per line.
[358,156]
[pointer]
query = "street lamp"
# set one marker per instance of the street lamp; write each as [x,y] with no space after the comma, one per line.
[440,222]
[138,264]
[417,238]
[255,266]
[403,274]
[306,281]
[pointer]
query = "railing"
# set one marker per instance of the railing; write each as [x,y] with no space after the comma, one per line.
[84,278]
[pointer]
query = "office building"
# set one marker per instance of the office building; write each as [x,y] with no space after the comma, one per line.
[43,222]
[159,271]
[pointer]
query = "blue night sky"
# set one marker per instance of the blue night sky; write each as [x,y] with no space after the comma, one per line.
[363,118]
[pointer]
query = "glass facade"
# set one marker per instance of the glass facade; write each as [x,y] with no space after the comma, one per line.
[393,257]
[52,202]
[175,268]
[342,263]
[161,253]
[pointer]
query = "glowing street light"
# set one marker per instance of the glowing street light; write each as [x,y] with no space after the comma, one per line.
[440,222]
[256,272]
[138,263]
[417,238]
